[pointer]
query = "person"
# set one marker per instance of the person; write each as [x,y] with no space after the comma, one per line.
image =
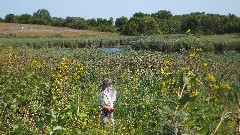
[106,99]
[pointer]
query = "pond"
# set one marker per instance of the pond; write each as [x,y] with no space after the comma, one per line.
[111,49]
[116,48]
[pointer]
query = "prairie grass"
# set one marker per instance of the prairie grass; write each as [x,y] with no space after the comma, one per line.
[31,30]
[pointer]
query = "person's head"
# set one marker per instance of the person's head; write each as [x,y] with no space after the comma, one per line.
[106,83]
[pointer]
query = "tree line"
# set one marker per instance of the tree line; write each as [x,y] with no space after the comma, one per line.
[161,22]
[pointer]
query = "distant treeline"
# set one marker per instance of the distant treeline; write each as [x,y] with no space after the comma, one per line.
[161,22]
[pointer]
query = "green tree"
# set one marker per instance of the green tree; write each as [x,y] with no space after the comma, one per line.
[139,14]
[170,26]
[191,21]
[42,16]
[11,18]
[76,23]
[80,23]
[59,22]
[92,22]
[101,21]
[232,24]
[141,25]
[162,14]
[130,28]
[25,18]
[105,25]
[120,23]
[212,24]
[167,24]
[69,22]
[1,20]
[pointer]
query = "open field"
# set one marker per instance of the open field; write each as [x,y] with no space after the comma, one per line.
[30,30]
[54,90]
[168,84]
[161,43]
[38,36]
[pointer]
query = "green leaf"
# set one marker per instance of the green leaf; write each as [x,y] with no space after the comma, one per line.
[183,79]
[82,115]
[40,125]
[185,98]
[181,83]
[167,109]
[15,126]
[69,114]
[57,128]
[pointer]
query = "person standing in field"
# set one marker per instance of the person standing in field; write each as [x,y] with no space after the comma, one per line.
[106,99]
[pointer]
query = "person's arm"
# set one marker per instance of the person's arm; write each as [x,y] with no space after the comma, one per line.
[111,109]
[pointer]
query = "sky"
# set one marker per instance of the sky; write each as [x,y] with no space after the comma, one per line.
[117,8]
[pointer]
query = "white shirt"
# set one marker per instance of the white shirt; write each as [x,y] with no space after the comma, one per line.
[107,97]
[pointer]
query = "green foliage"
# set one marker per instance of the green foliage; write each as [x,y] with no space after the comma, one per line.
[165,43]
[11,18]
[59,22]
[161,22]
[54,91]
[181,43]
[141,25]
[25,19]
[121,23]
[162,14]
[92,22]
[73,22]
[105,25]
[42,16]
[192,22]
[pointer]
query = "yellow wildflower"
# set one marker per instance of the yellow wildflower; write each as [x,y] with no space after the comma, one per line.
[195,93]
[23,68]
[134,87]
[191,55]
[163,85]
[205,64]
[173,81]
[214,86]
[137,72]
[211,78]
[34,62]
[81,69]
[166,62]
[199,49]
[162,71]
[188,31]
[225,86]
[190,73]
[100,69]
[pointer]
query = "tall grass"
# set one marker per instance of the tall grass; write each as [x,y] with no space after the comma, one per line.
[166,43]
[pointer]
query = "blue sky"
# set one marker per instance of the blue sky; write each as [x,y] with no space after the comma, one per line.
[117,8]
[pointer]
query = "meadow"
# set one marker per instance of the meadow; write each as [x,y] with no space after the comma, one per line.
[54,91]
[170,84]
[161,43]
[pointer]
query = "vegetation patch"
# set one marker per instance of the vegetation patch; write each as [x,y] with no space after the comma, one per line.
[54,91]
